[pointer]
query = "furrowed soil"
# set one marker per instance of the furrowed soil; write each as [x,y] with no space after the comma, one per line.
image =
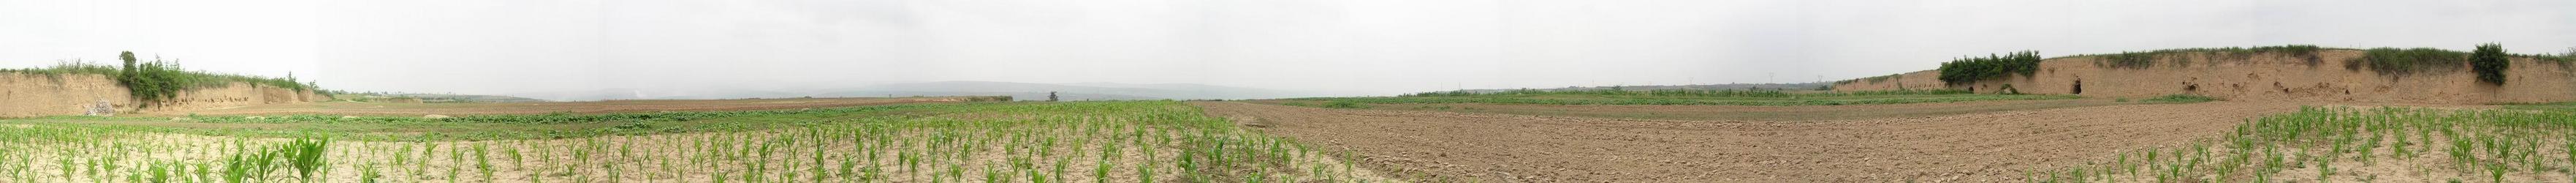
[1974,147]
[1745,113]
[593,107]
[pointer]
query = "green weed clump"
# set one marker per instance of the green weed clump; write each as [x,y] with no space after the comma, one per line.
[1966,70]
[2149,59]
[1345,105]
[2181,98]
[2393,61]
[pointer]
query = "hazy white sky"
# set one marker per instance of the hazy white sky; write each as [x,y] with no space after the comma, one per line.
[1362,46]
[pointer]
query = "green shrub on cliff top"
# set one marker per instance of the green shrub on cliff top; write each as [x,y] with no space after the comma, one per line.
[1964,70]
[155,81]
[2489,62]
[2142,60]
[2412,60]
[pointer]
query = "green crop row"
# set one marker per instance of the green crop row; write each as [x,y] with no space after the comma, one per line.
[1128,141]
[2335,144]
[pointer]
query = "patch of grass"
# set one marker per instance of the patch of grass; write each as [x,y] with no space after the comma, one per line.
[1873,79]
[1966,70]
[2180,98]
[2149,59]
[2393,61]
[67,67]
[1340,104]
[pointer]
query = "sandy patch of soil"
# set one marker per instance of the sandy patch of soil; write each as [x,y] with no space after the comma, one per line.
[1748,113]
[1979,147]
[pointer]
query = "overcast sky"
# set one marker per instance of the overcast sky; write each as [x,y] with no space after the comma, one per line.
[1351,46]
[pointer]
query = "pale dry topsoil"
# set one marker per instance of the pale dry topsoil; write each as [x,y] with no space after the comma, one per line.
[1976,147]
[1747,113]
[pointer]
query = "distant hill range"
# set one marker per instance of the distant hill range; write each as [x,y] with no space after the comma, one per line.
[1017,91]
[1737,86]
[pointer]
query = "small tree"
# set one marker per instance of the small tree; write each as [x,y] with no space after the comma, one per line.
[2489,62]
[128,57]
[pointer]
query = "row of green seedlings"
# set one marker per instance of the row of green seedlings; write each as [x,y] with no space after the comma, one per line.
[1071,142]
[90,155]
[1045,149]
[2328,144]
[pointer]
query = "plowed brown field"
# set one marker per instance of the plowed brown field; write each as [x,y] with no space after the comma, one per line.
[1976,147]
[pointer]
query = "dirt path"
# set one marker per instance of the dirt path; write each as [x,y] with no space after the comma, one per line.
[1979,147]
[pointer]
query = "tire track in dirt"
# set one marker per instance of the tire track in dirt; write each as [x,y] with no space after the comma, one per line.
[1979,147]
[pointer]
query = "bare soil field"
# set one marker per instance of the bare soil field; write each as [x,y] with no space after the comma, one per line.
[595,107]
[1746,113]
[1978,147]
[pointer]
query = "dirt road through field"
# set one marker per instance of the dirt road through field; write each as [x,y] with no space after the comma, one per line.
[1978,147]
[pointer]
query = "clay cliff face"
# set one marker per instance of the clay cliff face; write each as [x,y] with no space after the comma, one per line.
[2267,77]
[32,95]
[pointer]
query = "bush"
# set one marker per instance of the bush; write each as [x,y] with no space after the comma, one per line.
[1965,70]
[2490,63]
